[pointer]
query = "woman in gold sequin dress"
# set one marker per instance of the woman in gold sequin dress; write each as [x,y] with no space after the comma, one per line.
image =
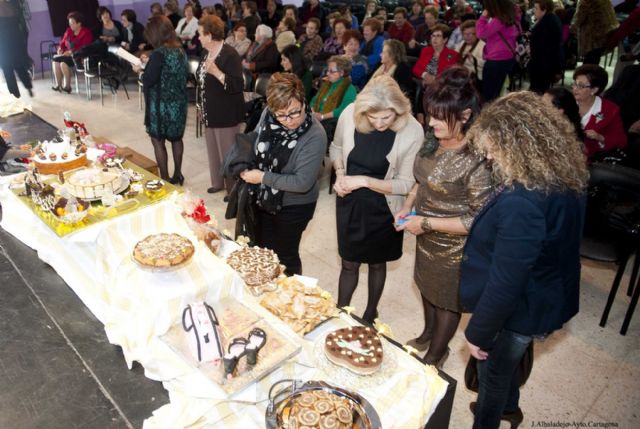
[452,185]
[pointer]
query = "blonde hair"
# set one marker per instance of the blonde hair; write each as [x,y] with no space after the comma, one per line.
[531,143]
[381,93]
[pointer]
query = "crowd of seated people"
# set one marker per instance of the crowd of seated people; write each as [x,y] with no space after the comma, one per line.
[413,43]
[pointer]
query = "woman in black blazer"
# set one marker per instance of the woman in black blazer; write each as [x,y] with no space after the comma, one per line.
[133,31]
[546,47]
[221,83]
[393,62]
[520,274]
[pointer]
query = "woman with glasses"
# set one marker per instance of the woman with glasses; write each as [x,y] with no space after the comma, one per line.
[433,60]
[601,119]
[335,93]
[290,145]
[373,151]
[452,185]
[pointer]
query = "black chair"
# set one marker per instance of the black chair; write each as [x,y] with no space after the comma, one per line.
[108,70]
[262,82]
[47,51]
[612,228]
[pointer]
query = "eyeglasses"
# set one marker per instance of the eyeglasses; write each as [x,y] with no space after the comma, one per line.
[288,116]
[580,85]
[333,71]
[436,35]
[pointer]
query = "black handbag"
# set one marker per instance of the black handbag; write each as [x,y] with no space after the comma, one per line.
[524,369]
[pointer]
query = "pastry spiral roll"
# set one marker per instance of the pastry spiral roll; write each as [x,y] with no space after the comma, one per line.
[323,406]
[308,417]
[344,414]
[329,421]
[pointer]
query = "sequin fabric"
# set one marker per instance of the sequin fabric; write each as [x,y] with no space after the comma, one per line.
[451,183]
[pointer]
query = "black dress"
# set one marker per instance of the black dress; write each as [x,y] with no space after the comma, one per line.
[364,221]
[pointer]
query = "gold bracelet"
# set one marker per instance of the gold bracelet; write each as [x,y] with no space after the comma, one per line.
[426,225]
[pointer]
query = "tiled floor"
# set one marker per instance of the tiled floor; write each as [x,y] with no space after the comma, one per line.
[583,373]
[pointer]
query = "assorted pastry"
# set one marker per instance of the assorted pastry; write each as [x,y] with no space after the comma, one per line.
[163,251]
[154,185]
[357,348]
[258,267]
[299,306]
[319,409]
[70,209]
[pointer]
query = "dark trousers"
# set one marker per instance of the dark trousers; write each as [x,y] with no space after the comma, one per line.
[593,56]
[541,80]
[499,379]
[10,71]
[493,75]
[282,233]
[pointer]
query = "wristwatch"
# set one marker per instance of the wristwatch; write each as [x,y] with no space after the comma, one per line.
[426,224]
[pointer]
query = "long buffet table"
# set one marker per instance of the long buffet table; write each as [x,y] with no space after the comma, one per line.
[139,307]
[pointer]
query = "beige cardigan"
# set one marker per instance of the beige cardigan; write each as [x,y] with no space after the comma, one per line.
[401,157]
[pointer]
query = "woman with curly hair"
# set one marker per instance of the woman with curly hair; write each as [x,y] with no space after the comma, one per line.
[520,273]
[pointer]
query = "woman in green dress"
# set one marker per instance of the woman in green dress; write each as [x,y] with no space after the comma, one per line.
[165,92]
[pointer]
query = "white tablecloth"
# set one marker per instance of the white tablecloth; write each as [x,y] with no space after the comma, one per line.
[138,306]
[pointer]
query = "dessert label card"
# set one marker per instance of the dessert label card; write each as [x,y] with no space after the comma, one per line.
[237,324]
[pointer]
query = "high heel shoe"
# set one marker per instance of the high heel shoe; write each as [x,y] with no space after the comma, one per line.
[419,344]
[257,339]
[235,351]
[439,364]
[177,179]
[514,418]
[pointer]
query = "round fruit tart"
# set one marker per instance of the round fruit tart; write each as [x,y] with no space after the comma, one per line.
[163,251]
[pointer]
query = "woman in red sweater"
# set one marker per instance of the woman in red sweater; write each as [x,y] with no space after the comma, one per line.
[73,39]
[601,119]
[434,59]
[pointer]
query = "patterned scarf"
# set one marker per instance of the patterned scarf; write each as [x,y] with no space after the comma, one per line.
[273,149]
[331,99]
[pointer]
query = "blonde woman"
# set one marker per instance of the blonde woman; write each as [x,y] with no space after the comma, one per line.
[520,273]
[373,150]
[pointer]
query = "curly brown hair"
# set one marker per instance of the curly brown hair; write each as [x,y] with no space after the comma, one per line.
[530,143]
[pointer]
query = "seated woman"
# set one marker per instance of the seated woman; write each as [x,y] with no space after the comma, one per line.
[292,61]
[75,37]
[238,39]
[373,153]
[394,63]
[262,56]
[434,59]
[311,41]
[371,46]
[359,63]
[108,31]
[133,32]
[291,147]
[470,50]
[187,27]
[335,93]
[601,119]
[564,101]
[250,17]
[333,44]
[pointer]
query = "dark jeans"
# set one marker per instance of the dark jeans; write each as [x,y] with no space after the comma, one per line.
[493,76]
[499,379]
[282,233]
